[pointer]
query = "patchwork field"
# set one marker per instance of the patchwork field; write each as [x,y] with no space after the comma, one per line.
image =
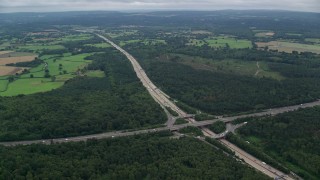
[7,57]
[146,42]
[62,68]
[5,54]
[313,40]
[99,45]
[39,47]
[221,42]
[78,37]
[289,46]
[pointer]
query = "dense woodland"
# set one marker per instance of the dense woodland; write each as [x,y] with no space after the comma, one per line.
[219,92]
[87,105]
[139,157]
[84,105]
[291,138]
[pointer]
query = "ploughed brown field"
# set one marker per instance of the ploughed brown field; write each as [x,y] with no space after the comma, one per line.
[5,52]
[8,70]
[8,60]
[289,46]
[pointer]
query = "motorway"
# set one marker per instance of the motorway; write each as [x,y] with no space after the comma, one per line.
[164,101]
[157,94]
[257,164]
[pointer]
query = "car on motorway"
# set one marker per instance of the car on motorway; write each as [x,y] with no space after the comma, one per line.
[263,163]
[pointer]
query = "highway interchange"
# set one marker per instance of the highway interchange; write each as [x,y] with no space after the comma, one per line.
[164,101]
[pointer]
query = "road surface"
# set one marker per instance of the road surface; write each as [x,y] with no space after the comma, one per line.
[257,164]
[164,101]
[157,94]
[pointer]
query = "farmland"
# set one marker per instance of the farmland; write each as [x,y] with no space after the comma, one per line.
[7,70]
[8,60]
[145,42]
[288,47]
[222,42]
[30,86]
[62,69]
[51,71]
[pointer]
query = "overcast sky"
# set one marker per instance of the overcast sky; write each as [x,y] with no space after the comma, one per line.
[71,5]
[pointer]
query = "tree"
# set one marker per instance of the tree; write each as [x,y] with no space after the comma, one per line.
[53,78]
[47,73]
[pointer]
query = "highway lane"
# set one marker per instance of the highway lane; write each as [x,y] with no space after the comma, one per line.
[164,100]
[156,93]
[256,163]
[273,111]
[112,134]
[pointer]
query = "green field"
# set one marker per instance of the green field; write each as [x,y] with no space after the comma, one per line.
[116,34]
[293,34]
[146,42]
[57,67]
[30,86]
[78,37]
[288,47]
[95,73]
[221,42]
[100,45]
[249,68]
[232,42]
[314,40]
[4,45]
[39,47]
[3,85]
[196,42]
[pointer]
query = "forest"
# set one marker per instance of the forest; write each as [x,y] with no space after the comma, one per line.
[292,138]
[139,157]
[225,92]
[84,105]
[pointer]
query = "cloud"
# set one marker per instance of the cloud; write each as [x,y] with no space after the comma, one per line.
[65,5]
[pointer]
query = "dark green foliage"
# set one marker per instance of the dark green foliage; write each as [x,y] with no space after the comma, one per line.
[292,138]
[218,127]
[172,112]
[255,152]
[34,63]
[203,116]
[139,157]
[191,131]
[220,93]
[217,144]
[180,121]
[82,106]
[241,120]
